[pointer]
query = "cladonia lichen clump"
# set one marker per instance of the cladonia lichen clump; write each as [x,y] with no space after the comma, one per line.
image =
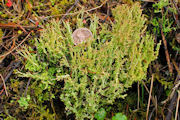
[95,72]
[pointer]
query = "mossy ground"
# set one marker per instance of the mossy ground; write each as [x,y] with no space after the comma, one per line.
[28,18]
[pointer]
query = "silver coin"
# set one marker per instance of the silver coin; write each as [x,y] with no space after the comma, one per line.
[81,35]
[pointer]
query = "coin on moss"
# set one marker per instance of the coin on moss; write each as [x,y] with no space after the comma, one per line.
[81,35]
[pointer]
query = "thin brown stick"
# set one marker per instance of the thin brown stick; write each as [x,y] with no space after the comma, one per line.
[9,49]
[25,94]
[1,91]
[12,25]
[177,105]
[75,3]
[145,86]
[5,54]
[173,96]
[149,100]
[14,66]
[75,13]
[176,66]
[166,52]
[174,4]
[4,85]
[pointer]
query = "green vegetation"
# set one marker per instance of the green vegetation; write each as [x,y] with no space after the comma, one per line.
[162,17]
[119,116]
[111,76]
[91,75]
[23,102]
[101,115]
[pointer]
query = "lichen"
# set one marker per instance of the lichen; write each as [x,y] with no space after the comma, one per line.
[97,72]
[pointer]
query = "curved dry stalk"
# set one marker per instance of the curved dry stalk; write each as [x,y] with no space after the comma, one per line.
[177,105]
[149,100]
[173,96]
[166,52]
[75,13]
[10,51]
[4,85]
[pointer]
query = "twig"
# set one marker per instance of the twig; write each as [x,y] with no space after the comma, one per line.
[1,59]
[166,51]
[173,100]
[97,7]
[4,85]
[171,107]
[25,94]
[75,3]
[25,27]
[145,86]
[78,11]
[6,9]
[12,25]
[176,66]
[9,74]
[177,105]
[5,54]
[34,23]
[178,11]
[154,101]
[175,5]
[1,91]
[149,100]
[172,93]
[144,5]
[151,114]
